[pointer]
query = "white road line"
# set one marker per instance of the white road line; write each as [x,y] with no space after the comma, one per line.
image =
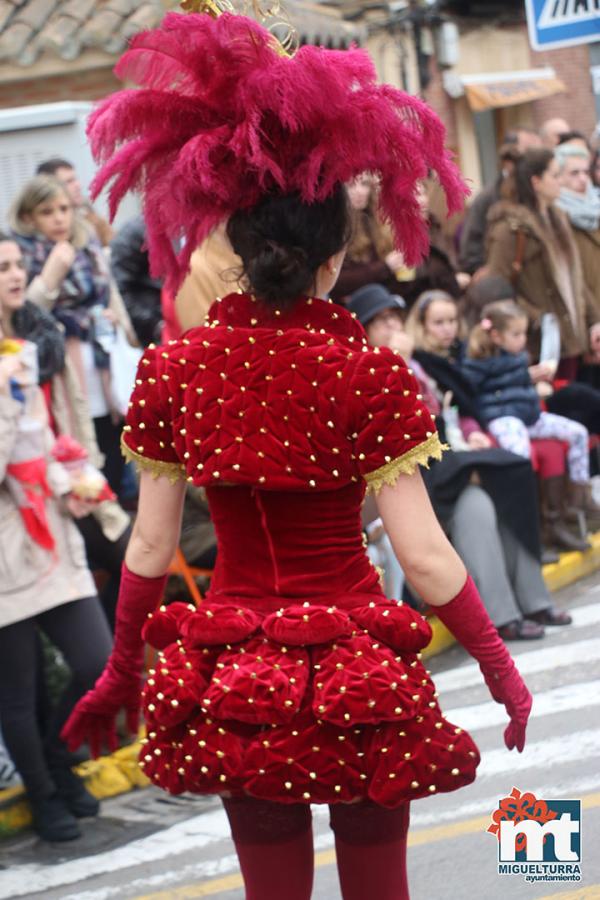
[190,874]
[562,699]
[192,834]
[210,828]
[223,865]
[584,616]
[529,662]
[566,790]
[577,746]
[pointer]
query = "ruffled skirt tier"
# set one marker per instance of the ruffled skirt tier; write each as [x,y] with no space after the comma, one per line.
[309,704]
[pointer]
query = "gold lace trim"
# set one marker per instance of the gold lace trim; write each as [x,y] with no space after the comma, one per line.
[432,448]
[173,471]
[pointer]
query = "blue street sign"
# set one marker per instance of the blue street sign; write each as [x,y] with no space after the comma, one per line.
[562,23]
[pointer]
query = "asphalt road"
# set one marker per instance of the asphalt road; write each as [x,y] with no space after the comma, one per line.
[148,846]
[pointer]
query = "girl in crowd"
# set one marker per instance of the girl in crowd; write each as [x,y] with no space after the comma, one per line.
[486,525]
[267,697]
[507,401]
[68,276]
[435,326]
[44,580]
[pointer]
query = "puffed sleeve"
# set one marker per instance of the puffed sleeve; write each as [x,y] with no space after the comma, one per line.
[147,437]
[392,430]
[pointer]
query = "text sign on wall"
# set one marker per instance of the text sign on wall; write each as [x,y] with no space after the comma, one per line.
[562,23]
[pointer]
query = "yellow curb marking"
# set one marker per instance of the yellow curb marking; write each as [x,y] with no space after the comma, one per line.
[327,857]
[591,892]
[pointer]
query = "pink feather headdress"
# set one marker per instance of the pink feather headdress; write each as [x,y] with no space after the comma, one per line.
[223,118]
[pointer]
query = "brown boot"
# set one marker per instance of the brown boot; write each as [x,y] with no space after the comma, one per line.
[555,532]
[580,498]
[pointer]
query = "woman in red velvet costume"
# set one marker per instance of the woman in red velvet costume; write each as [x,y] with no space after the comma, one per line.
[297,681]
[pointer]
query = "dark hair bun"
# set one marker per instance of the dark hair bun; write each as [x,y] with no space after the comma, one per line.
[283,241]
[278,271]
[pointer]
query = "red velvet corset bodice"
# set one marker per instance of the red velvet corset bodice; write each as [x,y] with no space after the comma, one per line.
[277,548]
[295,680]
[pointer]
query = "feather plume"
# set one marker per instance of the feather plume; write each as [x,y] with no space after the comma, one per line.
[221,118]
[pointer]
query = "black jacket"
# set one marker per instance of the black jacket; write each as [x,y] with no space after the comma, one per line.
[448,374]
[503,387]
[36,325]
[140,291]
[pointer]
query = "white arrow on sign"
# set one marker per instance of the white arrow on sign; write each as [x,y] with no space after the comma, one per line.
[568,12]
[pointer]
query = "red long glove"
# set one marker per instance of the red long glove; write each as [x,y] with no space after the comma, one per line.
[93,719]
[466,617]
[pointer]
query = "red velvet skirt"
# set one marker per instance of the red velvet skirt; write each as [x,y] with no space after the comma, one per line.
[307,704]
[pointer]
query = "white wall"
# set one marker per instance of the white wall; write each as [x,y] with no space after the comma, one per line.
[30,134]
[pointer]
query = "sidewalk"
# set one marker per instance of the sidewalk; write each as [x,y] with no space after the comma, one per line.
[120,773]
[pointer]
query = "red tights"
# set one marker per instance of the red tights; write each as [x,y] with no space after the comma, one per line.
[275,848]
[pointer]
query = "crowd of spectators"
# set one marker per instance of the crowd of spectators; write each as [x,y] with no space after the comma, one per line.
[500,325]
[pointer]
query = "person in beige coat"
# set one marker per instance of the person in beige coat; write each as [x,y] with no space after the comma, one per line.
[530,242]
[44,583]
[106,528]
[214,272]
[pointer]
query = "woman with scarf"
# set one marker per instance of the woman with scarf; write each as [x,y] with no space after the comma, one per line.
[296,681]
[44,579]
[68,276]
[580,200]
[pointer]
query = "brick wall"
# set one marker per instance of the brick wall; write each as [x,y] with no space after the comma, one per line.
[577,106]
[89,85]
[442,103]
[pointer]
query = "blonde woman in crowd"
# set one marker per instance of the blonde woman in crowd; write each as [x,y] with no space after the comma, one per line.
[68,275]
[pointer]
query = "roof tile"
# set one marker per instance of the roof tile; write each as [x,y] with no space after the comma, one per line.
[13,39]
[78,9]
[6,10]
[35,13]
[146,16]
[102,31]
[65,28]
[122,7]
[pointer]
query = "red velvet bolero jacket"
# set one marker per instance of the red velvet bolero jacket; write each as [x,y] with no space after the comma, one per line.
[293,401]
[296,680]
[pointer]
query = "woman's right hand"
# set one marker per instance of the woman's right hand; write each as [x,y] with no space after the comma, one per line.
[59,262]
